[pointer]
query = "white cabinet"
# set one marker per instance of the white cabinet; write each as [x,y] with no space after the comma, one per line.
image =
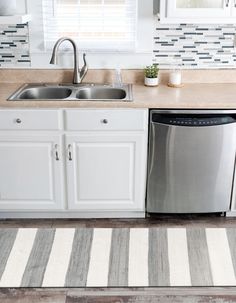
[197,11]
[106,120]
[233,12]
[41,120]
[30,172]
[106,171]
[73,162]
[106,159]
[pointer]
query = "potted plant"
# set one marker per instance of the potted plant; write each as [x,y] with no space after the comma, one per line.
[151,75]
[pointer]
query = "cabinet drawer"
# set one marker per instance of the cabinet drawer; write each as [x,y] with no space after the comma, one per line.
[29,120]
[102,120]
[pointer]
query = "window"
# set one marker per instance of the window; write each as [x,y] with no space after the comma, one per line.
[94,24]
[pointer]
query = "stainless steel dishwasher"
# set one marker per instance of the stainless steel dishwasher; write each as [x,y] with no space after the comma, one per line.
[191,161]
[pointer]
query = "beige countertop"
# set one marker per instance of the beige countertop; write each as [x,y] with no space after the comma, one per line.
[199,96]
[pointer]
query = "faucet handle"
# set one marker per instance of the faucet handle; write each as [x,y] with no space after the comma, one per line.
[84,69]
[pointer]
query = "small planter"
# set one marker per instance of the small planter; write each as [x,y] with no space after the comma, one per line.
[7,8]
[151,75]
[151,81]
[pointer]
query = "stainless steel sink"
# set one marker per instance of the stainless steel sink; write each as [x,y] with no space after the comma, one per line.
[70,92]
[101,93]
[41,93]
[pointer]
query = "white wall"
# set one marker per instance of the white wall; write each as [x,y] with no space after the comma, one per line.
[142,56]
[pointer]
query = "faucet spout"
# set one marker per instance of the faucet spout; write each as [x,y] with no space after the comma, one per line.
[77,74]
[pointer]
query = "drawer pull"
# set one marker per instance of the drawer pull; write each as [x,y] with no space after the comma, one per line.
[69,152]
[104,121]
[56,152]
[18,121]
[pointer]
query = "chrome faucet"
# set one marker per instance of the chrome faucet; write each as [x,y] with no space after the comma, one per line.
[78,74]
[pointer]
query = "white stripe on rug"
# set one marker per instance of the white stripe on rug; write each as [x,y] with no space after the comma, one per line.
[220,257]
[59,259]
[178,257]
[99,258]
[138,257]
[18,258]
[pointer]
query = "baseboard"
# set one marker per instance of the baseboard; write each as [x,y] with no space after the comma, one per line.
[71,215]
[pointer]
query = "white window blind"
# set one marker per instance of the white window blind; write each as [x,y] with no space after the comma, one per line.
[94,24]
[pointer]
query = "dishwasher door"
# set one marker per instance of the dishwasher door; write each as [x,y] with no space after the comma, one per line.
[191,163]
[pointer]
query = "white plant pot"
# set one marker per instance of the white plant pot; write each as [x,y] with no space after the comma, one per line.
[7,7]
[151,81]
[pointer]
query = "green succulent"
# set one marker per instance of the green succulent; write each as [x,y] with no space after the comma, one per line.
[151,71]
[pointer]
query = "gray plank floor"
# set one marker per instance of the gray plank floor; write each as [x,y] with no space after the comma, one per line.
[162,295]
[163,220]
[131,295]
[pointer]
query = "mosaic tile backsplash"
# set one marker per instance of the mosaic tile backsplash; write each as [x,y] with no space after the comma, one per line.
[14,46]
[175,45]
[194,46]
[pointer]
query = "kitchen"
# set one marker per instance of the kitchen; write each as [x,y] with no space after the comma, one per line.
[132,166]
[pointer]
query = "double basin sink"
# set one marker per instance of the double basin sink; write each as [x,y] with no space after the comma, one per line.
[70,92]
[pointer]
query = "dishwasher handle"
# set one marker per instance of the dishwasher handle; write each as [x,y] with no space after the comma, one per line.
[193,120]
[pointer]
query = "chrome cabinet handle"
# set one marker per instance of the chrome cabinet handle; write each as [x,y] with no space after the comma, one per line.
[104,121]
[18,121]
[56,152]
[227,3]
[234,3]
[69,152]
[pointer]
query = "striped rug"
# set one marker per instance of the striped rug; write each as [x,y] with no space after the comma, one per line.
[119,257]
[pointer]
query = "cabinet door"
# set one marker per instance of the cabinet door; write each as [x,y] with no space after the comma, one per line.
[233,12]
[30,172]
[195,11]
[106,171]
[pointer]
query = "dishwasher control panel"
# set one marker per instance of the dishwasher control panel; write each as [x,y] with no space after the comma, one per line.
[193,120]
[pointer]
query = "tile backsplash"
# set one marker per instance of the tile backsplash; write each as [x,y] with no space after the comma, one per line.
[194,46]
[14,46]
[175,45]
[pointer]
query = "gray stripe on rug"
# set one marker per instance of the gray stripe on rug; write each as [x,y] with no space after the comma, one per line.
[158,262]
[79,260]
[199,262]
[38,259]
[7,239]
[231,234]
[119,258]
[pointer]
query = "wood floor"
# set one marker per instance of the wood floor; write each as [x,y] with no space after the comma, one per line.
[213,220]
[163,295]
[131,295]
